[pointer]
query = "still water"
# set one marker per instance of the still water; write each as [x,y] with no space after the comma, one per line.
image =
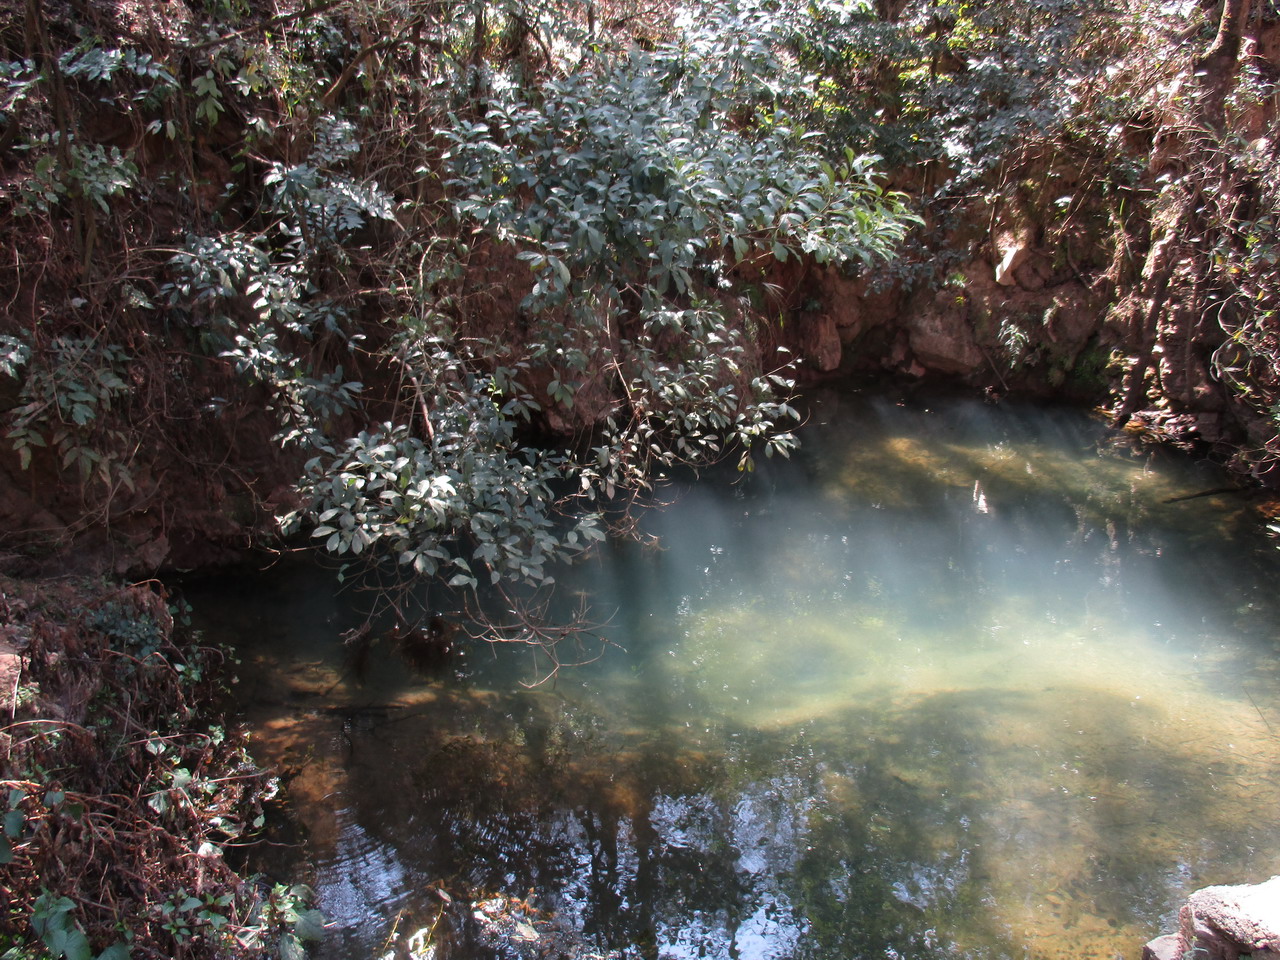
[960,680]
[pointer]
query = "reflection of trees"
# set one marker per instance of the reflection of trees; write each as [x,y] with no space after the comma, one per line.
[971,808]
[912,827]
[961,822]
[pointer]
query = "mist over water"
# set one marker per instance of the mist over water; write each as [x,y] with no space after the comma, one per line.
[957,681]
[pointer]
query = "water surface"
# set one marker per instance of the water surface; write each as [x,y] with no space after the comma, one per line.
[959,681]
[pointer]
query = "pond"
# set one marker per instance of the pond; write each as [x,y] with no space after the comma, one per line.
[960,680]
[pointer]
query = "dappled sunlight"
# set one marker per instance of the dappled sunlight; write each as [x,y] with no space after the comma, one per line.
[951,685]
[894,461]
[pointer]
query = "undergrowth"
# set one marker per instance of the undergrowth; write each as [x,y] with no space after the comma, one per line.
[119,795]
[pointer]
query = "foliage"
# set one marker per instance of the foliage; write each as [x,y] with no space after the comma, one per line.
[1201,207]
[52,920]
[90,61]
[646,190]
[346,183]
[17,78]
[963,100]
[344,180]
[1243,250]
[86,171]
[64,396]
[494,268]
[638,194]
[964,84]
[269,277]
[394,491]
[117,804]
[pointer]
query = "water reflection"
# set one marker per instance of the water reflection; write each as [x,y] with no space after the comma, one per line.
[953,683]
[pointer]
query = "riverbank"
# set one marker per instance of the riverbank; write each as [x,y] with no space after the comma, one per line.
[123,790]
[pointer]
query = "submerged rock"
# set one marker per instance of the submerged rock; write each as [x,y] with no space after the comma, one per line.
[1224,923]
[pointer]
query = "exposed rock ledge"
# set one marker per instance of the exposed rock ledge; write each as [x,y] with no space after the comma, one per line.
[1223,923]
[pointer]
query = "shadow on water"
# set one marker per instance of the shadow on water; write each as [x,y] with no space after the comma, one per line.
[953,684]
[966,822]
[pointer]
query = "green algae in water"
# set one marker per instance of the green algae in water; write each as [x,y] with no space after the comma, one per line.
[954,683]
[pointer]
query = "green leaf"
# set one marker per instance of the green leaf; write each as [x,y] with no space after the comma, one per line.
[309,925]
[291,948]
[69,942]
[6,850]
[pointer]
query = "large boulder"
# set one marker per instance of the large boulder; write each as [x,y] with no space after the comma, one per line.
[1224,923]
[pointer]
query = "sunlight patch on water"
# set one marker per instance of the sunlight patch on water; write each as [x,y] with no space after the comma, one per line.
[953,684]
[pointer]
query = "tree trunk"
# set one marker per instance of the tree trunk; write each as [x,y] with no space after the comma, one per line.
[1216,70]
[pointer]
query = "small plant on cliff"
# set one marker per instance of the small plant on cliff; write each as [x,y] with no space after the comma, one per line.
[64,396]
